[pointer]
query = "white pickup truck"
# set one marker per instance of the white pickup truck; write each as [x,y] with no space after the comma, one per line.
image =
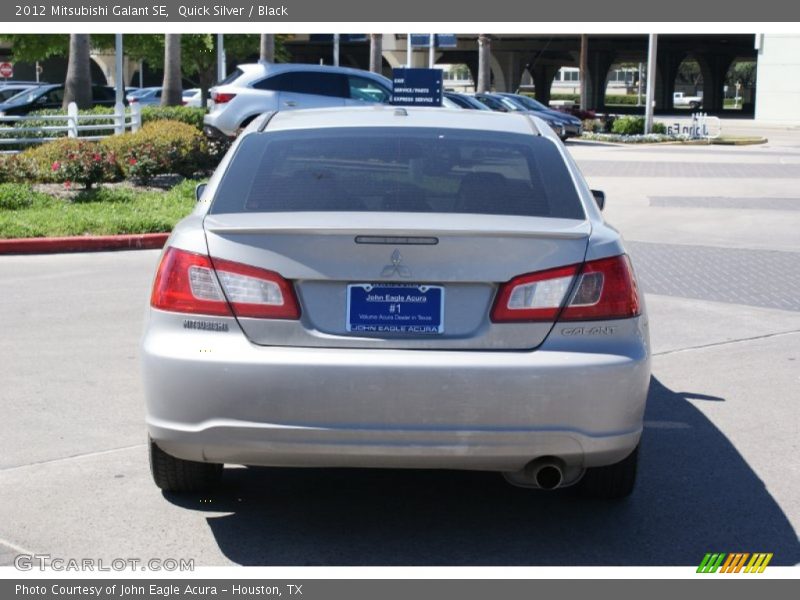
[681,100]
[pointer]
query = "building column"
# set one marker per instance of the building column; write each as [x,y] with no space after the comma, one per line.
[714,67]
[599,64]
[107,63]
[543,80]
[512,65]
[669,61]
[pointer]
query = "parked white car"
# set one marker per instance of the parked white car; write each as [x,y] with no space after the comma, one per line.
[253,89]
[192,97]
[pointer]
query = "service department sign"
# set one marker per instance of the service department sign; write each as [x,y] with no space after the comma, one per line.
[417,87]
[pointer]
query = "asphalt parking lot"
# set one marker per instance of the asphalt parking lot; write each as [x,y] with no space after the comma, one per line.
[713,232]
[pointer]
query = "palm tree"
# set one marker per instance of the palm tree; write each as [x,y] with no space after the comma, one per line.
[172,94]
[267,53]
[484,63]
[78,84]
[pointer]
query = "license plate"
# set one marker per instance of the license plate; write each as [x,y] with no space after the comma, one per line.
[379,308]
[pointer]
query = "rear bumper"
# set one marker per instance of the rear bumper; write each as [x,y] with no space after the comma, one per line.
[213,396]
[215,133]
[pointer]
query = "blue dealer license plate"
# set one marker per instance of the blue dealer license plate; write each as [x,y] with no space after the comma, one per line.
[377,308]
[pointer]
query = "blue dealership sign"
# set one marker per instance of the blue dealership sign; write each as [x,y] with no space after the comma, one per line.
[446,40]
[441,40]
[344,37]
[417,87]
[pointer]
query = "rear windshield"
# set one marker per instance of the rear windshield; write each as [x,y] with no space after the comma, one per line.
[234,75]
[398,170]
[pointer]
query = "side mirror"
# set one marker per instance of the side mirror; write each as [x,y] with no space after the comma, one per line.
[600,198]
[198,191]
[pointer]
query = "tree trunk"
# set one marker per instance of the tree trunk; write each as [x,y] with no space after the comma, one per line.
[484,61]
[78,84]
[172,94]
[267,53]
[205,79]
[376,52]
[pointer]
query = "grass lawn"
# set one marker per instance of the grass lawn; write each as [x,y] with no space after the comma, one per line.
[106,210]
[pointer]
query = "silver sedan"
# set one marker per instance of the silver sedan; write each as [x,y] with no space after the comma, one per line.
[392,287]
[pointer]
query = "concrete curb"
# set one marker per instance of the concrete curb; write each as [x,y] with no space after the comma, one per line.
[144,241]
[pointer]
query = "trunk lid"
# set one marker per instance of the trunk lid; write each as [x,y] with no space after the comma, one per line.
[338,261]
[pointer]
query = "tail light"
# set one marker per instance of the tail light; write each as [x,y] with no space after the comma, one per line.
[191,283]
[222,97]
[604,289]
[535,296]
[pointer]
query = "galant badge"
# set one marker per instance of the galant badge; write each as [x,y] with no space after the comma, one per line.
[396,268]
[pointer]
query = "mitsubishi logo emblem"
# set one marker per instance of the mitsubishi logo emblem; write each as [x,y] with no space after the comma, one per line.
[397,267]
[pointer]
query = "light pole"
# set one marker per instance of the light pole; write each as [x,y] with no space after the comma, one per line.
[651,82]
[221,74]
[119,67]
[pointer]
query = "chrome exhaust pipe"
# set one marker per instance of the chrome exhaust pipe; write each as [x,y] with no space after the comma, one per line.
[548,476]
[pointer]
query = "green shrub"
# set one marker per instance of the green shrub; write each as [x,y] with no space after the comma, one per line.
[160,147]
[625,99]
[633,125]
[574,97]
[14,168]
[629,125]
[610,99]
[14,196]
[70,160]
[88,163]
[215,148]
[43,157]
[185,114]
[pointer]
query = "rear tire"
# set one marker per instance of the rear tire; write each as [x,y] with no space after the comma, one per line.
[611,482]
[177,475]
[243,125]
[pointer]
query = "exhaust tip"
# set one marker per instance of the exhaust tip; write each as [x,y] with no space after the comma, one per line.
[549,477]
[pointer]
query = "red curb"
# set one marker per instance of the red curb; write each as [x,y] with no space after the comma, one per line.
[144,241]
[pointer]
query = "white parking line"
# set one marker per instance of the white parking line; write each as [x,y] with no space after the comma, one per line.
[17,549]
[73,457]
[727,342]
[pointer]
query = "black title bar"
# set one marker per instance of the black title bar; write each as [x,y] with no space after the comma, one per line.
[419,11]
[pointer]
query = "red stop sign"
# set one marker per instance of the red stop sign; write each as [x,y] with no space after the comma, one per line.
[6,70]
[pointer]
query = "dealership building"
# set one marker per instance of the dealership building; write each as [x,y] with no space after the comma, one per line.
[549,64]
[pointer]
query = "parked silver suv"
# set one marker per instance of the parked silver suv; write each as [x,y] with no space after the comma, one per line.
[256,88]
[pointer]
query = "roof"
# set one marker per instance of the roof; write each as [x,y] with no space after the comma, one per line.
[382,115]
[268,68]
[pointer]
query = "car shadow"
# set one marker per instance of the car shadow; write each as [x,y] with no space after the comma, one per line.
[695,494]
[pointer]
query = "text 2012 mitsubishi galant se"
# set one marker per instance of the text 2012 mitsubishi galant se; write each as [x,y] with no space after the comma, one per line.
[390,287]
